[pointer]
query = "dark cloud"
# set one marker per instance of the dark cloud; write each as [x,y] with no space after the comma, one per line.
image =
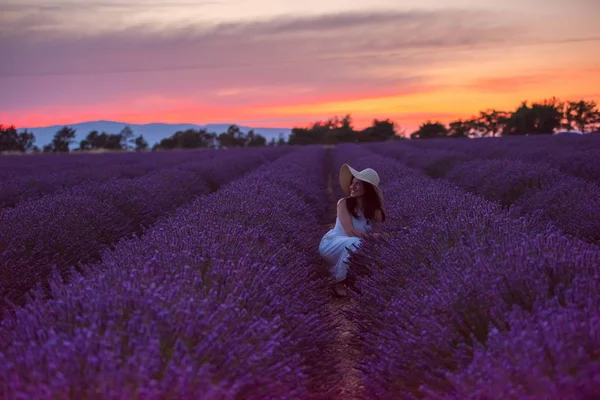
[331,39]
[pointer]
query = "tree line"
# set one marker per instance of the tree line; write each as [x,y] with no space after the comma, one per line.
[545,117]
[539,118]
[13,141]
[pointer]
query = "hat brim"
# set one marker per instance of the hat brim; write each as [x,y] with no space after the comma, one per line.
[346,175]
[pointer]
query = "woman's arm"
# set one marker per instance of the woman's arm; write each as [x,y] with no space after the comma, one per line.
[378,216]
[346,219]
[378,219]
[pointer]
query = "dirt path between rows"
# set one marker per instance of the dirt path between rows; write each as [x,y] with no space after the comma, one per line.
[350,385]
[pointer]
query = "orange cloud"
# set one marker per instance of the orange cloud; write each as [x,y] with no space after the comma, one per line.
[292,71]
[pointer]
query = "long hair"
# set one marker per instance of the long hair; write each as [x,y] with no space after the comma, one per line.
[371,203]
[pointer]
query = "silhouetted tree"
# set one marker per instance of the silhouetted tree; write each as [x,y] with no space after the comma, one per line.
[13,141]
[491,122]
[581,115]
[430,130]
[234,137]
[461,129]
[281,140]
[255,139]
[379,131]
[126,136]
[315,134]
[340,130]
[95,141]
[140,143]
[188,139]
[539,119]
[61,141]
[334,130]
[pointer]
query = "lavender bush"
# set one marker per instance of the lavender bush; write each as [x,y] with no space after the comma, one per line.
[225,299]
[575,155]
[475,293]
[452,276]
[534,189]
[48,174]
[75,226]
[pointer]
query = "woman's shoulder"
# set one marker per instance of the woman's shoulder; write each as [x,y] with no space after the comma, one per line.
[341,206]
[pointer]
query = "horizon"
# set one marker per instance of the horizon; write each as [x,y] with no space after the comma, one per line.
[270,65]
[144,123]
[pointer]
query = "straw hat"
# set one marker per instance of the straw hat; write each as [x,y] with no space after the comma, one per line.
[367,175]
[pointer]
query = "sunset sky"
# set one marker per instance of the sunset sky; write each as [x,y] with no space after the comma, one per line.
[276,63]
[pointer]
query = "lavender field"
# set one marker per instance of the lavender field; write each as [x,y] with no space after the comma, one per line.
[196,274]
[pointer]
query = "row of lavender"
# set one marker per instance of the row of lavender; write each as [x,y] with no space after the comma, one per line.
[12,166]
[225,299]
[75,225]
[464,301]
[48,174]
[529,189]
[575,155]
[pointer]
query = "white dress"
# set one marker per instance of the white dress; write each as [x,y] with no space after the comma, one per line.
[335,245]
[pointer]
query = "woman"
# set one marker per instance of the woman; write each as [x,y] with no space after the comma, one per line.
[356,214]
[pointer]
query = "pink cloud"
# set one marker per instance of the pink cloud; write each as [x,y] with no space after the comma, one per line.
[187,71]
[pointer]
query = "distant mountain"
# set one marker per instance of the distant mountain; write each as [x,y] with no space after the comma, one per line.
[153,133]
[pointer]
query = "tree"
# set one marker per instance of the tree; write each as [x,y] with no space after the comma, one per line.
[315,134]
[430,130]
[334,130]
[281,140]
[25,141]
[11,140]
[540,118]
[581,115]
[61,141]
[126,137]
[340,130]
[378,131]
[188,139]
[95,141]
[140,143]
[234,137]
[461,129]
[255,139]
[491,122]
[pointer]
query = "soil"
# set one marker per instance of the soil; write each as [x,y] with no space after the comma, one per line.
[350,385]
